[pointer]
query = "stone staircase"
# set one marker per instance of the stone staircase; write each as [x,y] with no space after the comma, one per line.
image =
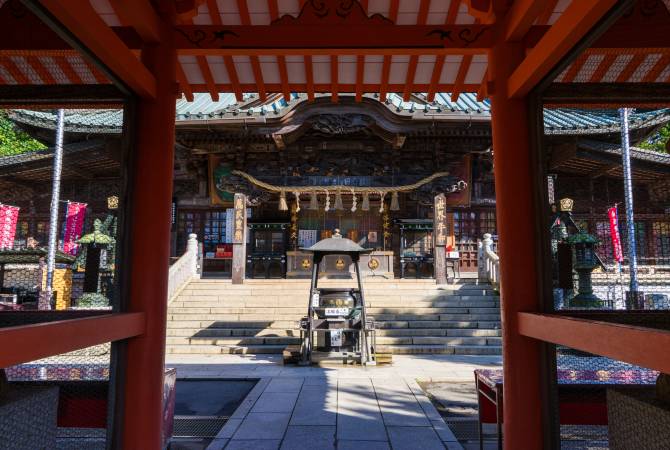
[260,316]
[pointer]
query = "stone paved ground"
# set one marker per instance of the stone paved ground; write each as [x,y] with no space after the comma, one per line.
[341,407]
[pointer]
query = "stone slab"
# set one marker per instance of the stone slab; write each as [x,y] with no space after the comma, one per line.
[275,402]
[412,438]
[309,438]
[253,444]
[263,426]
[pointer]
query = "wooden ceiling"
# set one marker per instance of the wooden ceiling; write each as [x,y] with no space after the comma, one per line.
[334,46]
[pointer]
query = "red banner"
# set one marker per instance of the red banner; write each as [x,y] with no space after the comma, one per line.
[9,215]
[74,224]
[613,215]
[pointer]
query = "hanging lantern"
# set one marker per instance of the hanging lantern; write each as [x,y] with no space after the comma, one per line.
[366,202]
[327,207]
[354,201]
[313,201]
[381,202]
[395,205]
[297,201]
[283,206]
[338,201]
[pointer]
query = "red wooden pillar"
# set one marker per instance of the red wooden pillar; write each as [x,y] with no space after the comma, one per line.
[150,249]
[517,243]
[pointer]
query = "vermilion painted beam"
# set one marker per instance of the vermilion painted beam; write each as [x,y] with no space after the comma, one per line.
[658,68]
[386,71]
[549,8]
[67,69]
[630,68]
[376,39]
[421,18]
[520,18]
[409,79]
[255,62]
[27,343]
[360,76]
[452,12]
[11,67]
[36,64]
[152,176]
[569,29]
[342,88]
[258,76]
[460,77]
[620,342]
[79,17]
[334,77]
[206,73]
[603,67]
[232,75]
[140,15]
[309,78]
[483,91]
[574,69]
[183,83]
[618,37]
[283,77]
[99,77]
[516,210]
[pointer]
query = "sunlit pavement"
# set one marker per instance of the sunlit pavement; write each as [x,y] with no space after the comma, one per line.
[343,407]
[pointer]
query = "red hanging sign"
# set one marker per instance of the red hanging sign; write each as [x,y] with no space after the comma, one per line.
[9,215]
[74,224]
[613,215]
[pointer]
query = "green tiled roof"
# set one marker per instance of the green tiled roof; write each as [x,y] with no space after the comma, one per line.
[31,256]
[556,121]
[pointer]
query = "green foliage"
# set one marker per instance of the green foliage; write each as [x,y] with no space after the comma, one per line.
[658,141]
[92,300]
[14,141]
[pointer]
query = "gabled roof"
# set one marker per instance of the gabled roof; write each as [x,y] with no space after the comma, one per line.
[560,121]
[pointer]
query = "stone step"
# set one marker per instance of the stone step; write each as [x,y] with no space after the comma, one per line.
[226,332]
[279,290]
[217,350]
[437,340]
[213,324]
[397,349]
[234,317]
[467,332]
[439,324]
[234,341]
[257,303]
[441,349]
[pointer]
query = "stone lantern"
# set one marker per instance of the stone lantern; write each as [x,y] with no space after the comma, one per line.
[585,261]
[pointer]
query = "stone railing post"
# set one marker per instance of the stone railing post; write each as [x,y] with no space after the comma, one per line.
[481,262]
[184,269]
[192,252]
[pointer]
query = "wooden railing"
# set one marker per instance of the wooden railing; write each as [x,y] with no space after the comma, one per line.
[184,269]
[489,262]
